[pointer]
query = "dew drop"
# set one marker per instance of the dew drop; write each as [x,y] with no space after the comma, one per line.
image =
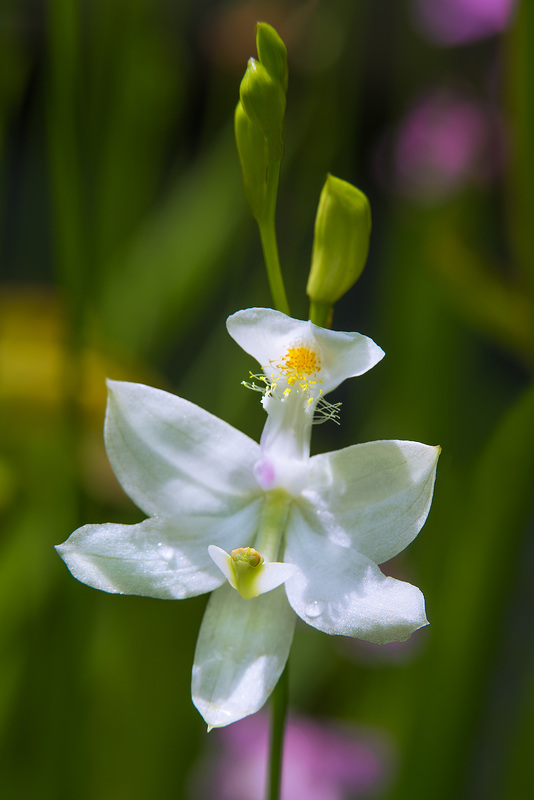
[165,552]
[314,609]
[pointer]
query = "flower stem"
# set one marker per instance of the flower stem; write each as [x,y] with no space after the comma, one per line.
[321,314]
[278,723]
[269,243]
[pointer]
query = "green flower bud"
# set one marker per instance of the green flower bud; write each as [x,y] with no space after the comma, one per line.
[254,159]
[264,101]
[341,242]
[272,53]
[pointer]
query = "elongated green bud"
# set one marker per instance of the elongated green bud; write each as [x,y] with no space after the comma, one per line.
[254,159]
[341,243]
[259,122]
[260,114]
[264,101]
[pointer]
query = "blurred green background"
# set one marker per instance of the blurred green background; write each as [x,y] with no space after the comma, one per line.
[125,243]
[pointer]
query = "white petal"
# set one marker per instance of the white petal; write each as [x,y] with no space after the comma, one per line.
[339,591]
[345,355]
[266,335]
[242,648]
[273,574]
[172,457]
[160,558]
[374,496]
[223,560]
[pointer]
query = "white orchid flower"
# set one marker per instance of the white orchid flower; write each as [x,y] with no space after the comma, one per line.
[271,531]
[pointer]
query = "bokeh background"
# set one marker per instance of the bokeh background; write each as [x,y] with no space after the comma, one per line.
[125,243]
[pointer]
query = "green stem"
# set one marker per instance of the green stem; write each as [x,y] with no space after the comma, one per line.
[278,723]
[321,314]
[269,243]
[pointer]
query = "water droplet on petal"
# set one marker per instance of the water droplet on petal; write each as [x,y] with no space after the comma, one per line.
[165,552]
[314,609]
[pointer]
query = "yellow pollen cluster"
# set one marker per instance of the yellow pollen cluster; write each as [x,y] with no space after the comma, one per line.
[299,366]
[247,555]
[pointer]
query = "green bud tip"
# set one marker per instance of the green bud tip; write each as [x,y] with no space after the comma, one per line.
[272,52]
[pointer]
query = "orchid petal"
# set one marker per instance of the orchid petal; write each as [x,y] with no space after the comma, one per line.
[223,560]
[159,557]
[266,335]
[374,496]
[339,591]
[273,574]
[172,457]
[241,650]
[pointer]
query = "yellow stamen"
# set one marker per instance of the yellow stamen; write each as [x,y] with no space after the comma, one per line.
[300,366]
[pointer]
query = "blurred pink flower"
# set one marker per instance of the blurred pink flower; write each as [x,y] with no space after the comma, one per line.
[461,21]
[321,762]
[447,139]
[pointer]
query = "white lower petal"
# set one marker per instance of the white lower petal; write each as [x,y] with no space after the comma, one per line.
[339,591]
[242,648]
[160,558]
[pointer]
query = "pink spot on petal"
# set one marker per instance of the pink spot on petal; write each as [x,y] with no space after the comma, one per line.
[265,473]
